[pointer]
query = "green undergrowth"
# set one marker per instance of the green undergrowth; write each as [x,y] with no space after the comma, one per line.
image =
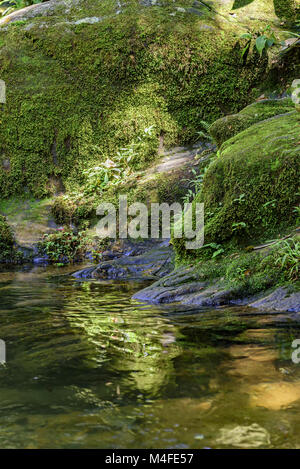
[8,252]
[225,128]
[249,273]
[64,246]
[80,209]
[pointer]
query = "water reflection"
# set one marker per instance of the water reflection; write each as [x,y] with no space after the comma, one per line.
[89,367]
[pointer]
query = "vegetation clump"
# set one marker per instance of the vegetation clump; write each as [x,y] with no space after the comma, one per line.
[8,252]
[250,190]
[254,272]
[64,246]
[6,235]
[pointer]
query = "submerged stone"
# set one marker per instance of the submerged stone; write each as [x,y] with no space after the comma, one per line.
[251,436]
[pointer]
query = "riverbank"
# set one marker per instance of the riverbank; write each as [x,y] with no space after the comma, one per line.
[248,279]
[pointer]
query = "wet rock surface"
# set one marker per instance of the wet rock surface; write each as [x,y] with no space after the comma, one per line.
[154,261]
[184,286]
[279,300]
[143,261]
[251,436]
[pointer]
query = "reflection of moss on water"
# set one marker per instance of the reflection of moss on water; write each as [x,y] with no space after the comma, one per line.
[84,360]
[140,345]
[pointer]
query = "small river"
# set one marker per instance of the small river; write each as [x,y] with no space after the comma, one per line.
[88,367]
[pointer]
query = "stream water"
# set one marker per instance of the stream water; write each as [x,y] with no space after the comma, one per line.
[88,367]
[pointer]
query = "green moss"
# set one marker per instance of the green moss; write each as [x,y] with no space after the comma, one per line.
[78,92]
[248,273]
[262,163]
[226,127]
[160,188]
[81,210]
[255,272]
[6,236]
[287,9]
[73,209]
[6,240]
[251,189]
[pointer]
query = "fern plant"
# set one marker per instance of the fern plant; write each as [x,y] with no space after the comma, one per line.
[288,257]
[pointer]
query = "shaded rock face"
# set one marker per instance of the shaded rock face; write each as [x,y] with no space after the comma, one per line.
[131,265]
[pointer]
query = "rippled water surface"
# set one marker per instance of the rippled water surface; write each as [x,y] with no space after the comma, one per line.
[87,367]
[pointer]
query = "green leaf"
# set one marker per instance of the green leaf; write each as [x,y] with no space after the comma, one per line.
[241,3]
[270,43]
[246,36]
[260,44]
[217,253]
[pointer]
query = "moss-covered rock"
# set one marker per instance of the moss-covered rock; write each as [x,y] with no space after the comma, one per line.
[255,180]
[287,9]
[226,127]
[84,80]
[251,189]
[167,181]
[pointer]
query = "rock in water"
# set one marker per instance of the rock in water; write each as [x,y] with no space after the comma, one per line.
[252,436]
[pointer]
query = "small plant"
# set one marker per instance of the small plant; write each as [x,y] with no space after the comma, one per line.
[270,204]
[288,257]
[239,226]
[64,246]
[241,199]
[205,132]
[195,184]
[263,42]
[216,248]
[297,211]
[266,211]
[99,177]
[116,170]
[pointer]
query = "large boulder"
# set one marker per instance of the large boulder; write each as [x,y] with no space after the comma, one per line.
[85,78]
[251,188]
